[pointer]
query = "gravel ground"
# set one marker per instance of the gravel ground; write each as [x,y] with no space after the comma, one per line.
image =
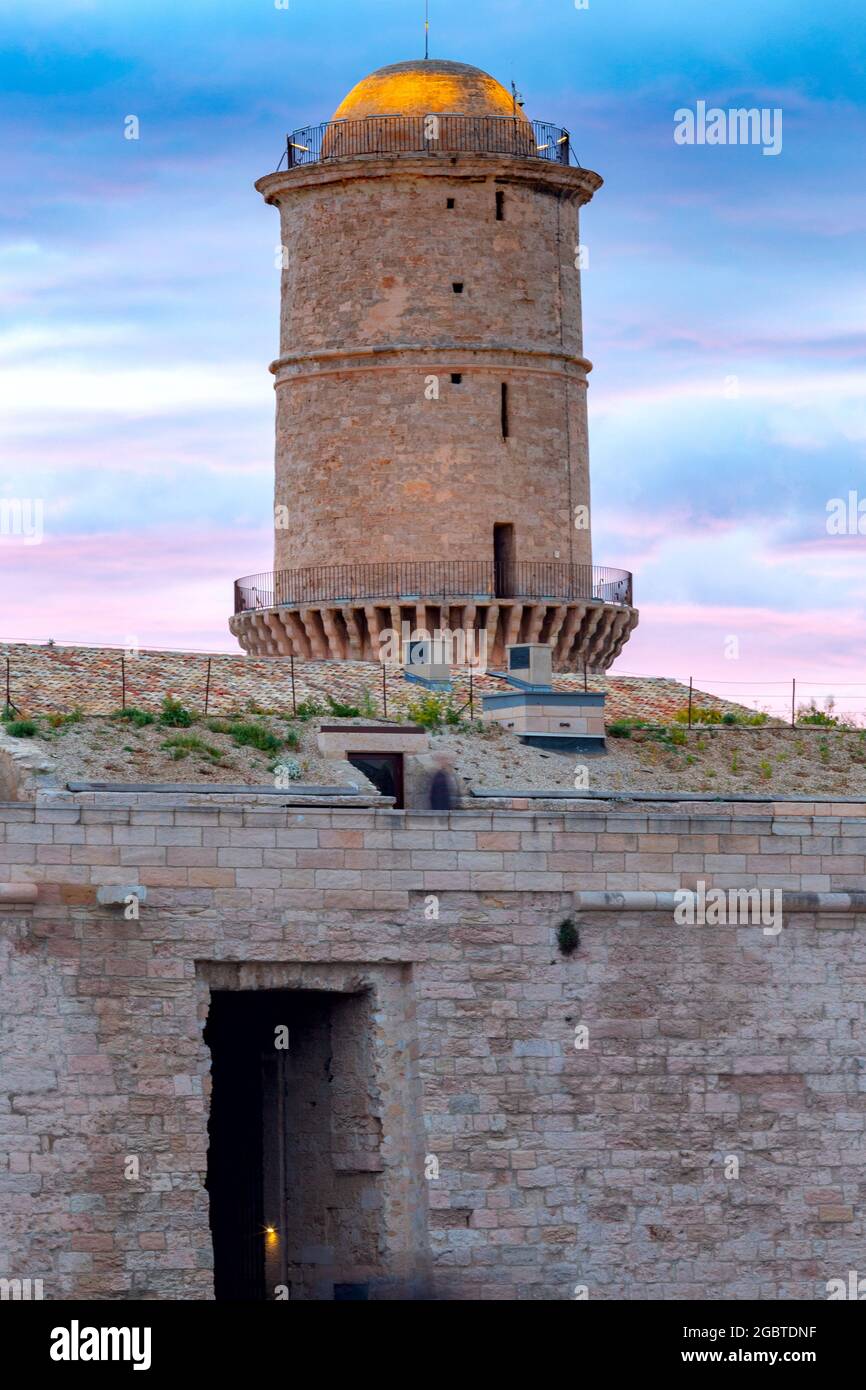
[802,762]
[799,762]
[101,749]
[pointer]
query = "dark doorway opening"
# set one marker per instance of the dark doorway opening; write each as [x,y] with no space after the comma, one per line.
[503,559]
[236,1033]
[293,1157]
[385,771]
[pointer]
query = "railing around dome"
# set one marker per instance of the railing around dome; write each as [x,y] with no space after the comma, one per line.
[482,581]
[427,135]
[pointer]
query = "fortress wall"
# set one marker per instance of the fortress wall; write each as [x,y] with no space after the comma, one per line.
[557,1166]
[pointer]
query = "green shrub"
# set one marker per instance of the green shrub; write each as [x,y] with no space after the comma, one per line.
[706,714]
[766,769]
[341,711]
[292,738]
[678,737]
[138,717]
[655,733]
[430,711]
[821,718]
[181,745]
[567,937]
[701,714]
[247,735]
[368,705]
[310,709]
[22,728]
[173,714]
[218,726]
[62,721]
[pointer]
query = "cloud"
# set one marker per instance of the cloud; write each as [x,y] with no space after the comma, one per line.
[141,304]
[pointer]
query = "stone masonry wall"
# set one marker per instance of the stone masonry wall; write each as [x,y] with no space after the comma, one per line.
[558,1167]
[370,467]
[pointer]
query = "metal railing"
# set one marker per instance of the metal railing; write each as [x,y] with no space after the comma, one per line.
[433,580]
[381,135]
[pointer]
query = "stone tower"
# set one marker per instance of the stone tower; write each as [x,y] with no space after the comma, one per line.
[432,460]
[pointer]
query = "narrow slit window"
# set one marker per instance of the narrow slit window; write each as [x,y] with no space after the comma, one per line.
[457,286]
[456,378]
[450,203]
[504,410]
[500,207]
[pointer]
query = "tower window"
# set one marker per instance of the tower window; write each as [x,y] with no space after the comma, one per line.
[500,207]
[450,203]
[456,378]
[457,286]
[504,409]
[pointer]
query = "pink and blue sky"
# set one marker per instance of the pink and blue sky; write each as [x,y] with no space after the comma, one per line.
[724,307]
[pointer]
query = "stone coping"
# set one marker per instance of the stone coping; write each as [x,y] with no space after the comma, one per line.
[372,729]
[216,789]
[545,696]
[777,818]
[738,798]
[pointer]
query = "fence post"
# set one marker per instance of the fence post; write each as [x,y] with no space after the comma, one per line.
[585,686]
[691,685]
[8,694]
[471,701]
[294,702]
[123,681]
[207,687]
[384,691]
[793,704]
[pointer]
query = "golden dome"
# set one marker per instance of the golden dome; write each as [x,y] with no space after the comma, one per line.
[428,86]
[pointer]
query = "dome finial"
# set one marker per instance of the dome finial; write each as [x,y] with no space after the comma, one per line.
[426,30]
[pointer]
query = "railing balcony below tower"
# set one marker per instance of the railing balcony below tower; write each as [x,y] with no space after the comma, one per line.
[435,581]
[428,135]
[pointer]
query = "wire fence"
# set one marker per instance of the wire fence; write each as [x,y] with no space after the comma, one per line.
[787,703]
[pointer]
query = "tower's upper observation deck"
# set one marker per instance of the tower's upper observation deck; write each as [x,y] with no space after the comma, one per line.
[428,106]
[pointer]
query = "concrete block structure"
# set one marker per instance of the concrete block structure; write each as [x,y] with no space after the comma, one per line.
[432,462]
[556,718]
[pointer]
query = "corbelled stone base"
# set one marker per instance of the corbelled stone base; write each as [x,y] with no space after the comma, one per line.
[581,633]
